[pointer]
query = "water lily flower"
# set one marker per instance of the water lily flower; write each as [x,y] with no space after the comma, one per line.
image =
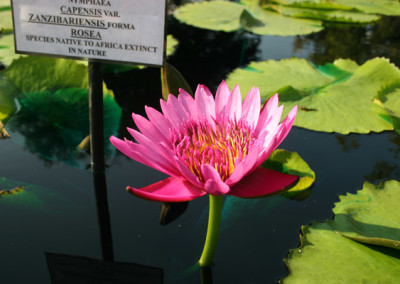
[210,146]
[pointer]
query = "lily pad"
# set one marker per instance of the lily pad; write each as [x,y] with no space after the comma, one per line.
[53,124]
[6,24]
[7,52]
[25,196]
[372,215]
[228,17]
[335,97]
[212,15]
[335,16]
[382,7]
[341,250]
[325,256]
[291,163]
[45,73]
[389,98]
[8,94]
[279,24]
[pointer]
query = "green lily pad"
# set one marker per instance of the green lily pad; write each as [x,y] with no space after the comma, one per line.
[53,124]
[341,250]
[382,7]
[8,94]
[291,163]
[325,256]
[371,215]
[28,197]
[6,24]
[33,74]
[212,15]
[335,97]
[340,16]
[228,17]
[389,99]
[7,52]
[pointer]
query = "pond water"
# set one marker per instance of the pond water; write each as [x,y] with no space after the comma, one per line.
[255,235]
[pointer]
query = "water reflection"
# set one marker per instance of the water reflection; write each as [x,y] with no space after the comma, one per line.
[52,125]
[348,142]
[65,269]
[170,211]
[358,43]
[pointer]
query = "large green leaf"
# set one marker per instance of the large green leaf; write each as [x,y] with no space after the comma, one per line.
[33,74]
[8,94]
[382,7]
[389,98]
[291,163]
[6,24]
[229,17]
[335,97]
[212,15]
[282,17]
[7,52]
[340,251]
[341,16]
[325,256]
[372,215]
[53,124]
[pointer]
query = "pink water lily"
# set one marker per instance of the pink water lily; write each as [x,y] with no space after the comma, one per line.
[210,146]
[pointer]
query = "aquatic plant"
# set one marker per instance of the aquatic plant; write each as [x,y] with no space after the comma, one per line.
[210,146]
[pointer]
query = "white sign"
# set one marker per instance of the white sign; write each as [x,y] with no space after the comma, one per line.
[113,30]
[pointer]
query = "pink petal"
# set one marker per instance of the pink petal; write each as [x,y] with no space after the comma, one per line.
[221,100]
[213,183]
[187,174]
[122,146]
[153,160]
[159,121]
[234,105]
[174,111]
[267,112]
[262,182]
[245,166]
[168,190]
[188,104]
[147,128]
[205,101]
[251,107]
[142,155]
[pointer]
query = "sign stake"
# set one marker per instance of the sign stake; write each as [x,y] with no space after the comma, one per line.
[96,117]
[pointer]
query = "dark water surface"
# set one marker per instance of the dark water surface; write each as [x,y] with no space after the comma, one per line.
[255,235]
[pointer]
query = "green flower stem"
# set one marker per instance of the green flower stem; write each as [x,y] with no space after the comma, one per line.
[214,221]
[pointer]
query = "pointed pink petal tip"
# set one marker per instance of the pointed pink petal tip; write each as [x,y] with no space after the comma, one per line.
[168,190]
[262,182]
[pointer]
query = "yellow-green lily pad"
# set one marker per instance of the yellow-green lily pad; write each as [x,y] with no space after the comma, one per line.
[335,97]
[371,215]
[361,244]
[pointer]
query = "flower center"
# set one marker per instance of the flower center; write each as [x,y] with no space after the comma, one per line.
[220,146]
